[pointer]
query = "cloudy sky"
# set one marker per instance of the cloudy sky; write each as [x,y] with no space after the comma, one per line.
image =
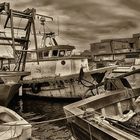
[86,21]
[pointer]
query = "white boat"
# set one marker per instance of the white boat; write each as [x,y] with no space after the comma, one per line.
[13,126]
[56,75]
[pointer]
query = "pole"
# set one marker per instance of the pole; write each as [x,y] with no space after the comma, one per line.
[35,38]
[12,34]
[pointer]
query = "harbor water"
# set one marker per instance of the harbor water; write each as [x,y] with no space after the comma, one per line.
[35,111]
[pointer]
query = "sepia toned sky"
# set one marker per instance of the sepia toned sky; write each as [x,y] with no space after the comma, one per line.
[86,21]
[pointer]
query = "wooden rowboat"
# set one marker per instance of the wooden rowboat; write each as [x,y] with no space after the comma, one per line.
[104,116]
[12,126]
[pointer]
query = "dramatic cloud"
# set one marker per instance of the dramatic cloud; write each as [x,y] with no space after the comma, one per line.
[86,21]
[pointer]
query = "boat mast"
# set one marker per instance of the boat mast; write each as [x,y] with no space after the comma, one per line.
[23,42]
[29,16]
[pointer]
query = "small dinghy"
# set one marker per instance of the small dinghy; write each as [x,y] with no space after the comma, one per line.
[13,126]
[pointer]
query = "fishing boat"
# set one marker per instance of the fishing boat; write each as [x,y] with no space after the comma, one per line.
[10,75]
[56,75]
[112,115]
[13,126]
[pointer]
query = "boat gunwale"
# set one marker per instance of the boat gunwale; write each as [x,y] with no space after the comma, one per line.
[80,104]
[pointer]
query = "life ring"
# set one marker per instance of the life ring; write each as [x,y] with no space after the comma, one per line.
[36,88]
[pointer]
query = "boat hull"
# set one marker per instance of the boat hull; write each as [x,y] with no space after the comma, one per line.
[70,89]
[65,86]
[7,92]
[9,85]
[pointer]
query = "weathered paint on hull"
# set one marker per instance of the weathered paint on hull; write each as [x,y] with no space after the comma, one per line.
[64,86]
[70,90]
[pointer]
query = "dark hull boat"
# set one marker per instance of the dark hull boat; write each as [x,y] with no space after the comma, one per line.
[107,116]
[9,85]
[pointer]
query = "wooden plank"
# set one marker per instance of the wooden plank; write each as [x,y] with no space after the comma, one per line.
[9,44]
[16,28]
[24,54]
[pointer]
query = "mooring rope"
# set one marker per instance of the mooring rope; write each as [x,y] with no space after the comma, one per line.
[42,122]
[52,120]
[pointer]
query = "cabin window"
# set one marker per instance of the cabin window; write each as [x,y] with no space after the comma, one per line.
[131,45]
[55,52]
[46,54]
[61,53]
[68,53]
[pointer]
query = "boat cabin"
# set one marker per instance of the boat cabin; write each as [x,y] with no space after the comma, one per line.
[54,59]
[52,52]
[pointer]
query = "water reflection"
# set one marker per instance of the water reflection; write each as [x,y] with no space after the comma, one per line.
[41,110]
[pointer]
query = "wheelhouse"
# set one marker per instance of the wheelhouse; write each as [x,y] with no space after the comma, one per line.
[52,52]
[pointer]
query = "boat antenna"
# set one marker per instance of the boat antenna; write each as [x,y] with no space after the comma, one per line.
[58,25]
